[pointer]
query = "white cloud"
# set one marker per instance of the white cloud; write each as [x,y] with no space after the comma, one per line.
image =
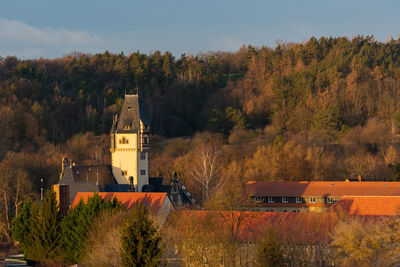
[17,31]
[25,41]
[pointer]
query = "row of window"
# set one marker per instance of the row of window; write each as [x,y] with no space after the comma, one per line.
[124,140]
[282,210]
[286,199]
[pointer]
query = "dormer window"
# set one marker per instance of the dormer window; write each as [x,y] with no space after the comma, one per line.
[312,200]
[329,200]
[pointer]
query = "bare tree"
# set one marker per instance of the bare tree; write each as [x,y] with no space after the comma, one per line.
[205,170]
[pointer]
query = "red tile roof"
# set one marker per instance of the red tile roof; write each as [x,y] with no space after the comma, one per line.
[368,206]
[293,189]
[152,201]
[291,227]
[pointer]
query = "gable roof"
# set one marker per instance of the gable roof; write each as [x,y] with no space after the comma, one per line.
[152,201]
[304,189]
[97,174]
[368,205]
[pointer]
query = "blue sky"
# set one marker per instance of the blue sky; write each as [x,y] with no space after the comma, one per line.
[52,28]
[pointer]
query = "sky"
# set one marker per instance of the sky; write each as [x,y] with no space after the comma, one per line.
[32,29]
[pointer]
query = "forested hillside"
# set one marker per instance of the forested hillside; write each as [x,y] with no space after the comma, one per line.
[327,109]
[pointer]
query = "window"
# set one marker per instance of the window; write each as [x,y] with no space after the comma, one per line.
[124,173]
[329,200]
[284,200]
[142,156]
[271,200]
[145,140]
[142,172]
[299,200]
[123,140]
[312,200]
[258,199]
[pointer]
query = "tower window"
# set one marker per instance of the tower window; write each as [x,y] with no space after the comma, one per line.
[124,140]
[142,156]
[124,173]
[145,140]
[142,172]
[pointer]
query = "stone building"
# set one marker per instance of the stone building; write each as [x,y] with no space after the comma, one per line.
[129,168]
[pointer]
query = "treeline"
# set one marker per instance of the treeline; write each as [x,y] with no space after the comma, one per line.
[327,85]
[326,109]
[54,99]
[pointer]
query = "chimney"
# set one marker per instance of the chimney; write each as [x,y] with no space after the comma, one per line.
[359,178]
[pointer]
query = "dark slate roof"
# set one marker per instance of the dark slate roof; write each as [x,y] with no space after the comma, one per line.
[86,178]
[131,114]
[116,188]
[130,117]
[142,115]
[100,174]
[159,184]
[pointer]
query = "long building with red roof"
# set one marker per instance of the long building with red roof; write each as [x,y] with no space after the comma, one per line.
[368,205]
[313,196]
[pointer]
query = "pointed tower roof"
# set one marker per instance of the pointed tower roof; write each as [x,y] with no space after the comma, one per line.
[131,114]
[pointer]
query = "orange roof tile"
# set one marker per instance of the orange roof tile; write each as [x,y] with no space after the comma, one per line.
[368,205]
[293,189]
[152,201]
[291,227]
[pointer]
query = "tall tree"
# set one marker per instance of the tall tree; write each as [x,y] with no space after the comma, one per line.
[141,243]
[46,230]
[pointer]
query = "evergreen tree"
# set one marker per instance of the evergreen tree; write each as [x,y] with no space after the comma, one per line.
[76,225]
[140,240]
[22,224]
[45,234]
[269,251]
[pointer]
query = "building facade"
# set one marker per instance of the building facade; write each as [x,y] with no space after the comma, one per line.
[276,196]
[130,145]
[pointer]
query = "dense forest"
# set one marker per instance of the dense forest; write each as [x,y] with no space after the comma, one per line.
[325,109]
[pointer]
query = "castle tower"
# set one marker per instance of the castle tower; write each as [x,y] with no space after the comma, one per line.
[130,144]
